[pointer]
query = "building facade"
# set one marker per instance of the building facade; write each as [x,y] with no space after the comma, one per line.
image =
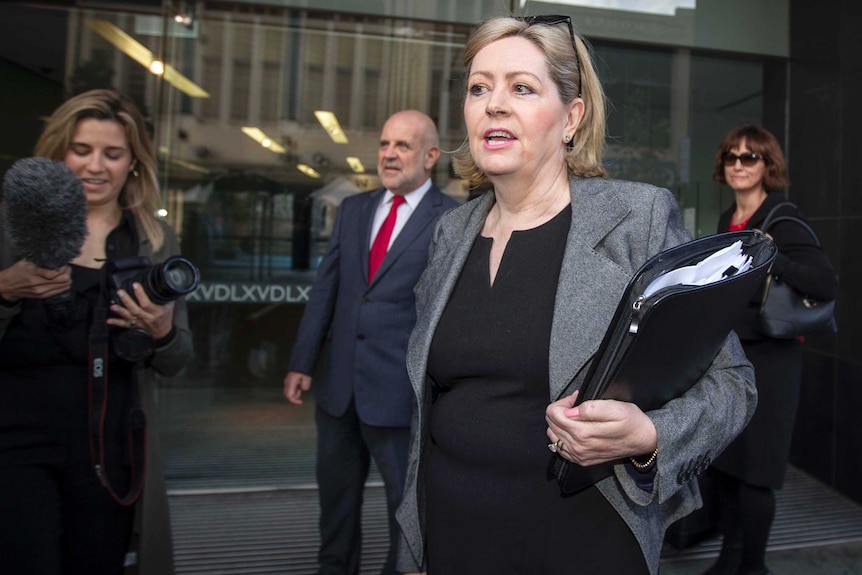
[266,114]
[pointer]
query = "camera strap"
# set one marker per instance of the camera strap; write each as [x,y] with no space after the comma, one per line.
[97,411]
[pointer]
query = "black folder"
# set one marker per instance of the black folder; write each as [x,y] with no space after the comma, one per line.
[657,347]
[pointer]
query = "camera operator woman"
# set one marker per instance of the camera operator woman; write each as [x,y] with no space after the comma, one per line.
[58,515]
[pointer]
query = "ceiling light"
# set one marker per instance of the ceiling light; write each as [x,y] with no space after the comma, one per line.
[189,165]
[142,55]
[183,84]
[261,138]
[355,164]
[307,170]
[157,68]
[331,125]
[184,19]
[255,134]
[184,14]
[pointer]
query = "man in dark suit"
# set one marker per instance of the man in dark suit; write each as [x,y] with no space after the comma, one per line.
[364,396]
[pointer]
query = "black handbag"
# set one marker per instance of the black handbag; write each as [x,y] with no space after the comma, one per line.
[786,313]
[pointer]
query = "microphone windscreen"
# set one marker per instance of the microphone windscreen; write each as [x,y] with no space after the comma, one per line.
[44,211]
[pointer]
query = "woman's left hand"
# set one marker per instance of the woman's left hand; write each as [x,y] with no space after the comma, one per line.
[143,313]
[600,430]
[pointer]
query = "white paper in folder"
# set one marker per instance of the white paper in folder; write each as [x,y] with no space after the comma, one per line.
[723,263]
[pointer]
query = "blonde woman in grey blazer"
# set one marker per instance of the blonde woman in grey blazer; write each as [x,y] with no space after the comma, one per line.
[520,286]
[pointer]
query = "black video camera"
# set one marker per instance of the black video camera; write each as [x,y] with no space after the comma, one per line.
[163,283]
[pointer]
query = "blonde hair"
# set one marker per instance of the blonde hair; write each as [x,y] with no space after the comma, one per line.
[140,195]
[584,152]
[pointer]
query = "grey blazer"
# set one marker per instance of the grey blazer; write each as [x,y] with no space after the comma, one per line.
[616,226]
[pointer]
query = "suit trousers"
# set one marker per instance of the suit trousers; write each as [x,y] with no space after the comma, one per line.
[345,446]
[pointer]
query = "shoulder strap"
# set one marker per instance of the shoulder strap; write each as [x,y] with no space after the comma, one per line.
[771,220]
[97,393]
[770,217]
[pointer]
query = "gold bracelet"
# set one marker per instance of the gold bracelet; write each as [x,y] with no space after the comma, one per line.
[641,466]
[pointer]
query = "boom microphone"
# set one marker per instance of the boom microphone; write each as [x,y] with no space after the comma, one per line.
[45,211]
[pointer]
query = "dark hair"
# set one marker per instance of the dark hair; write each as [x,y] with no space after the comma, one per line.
[761,142]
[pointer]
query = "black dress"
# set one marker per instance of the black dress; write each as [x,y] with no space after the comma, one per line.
[490,506]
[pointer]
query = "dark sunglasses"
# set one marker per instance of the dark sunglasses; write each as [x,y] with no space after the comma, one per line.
[748,159]
[551,20]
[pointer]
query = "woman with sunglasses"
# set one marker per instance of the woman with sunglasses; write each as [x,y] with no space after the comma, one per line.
[748,472]
[521,285]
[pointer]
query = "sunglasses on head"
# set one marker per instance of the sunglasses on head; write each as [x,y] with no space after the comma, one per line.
[748,159]
[551,20]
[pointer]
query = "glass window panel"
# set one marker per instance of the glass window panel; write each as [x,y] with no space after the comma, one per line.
[257,226]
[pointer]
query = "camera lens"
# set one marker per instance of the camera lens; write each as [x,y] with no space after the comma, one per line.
[180,275]
[167,281]
[133,345]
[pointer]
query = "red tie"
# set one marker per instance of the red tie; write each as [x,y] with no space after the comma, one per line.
[381,242]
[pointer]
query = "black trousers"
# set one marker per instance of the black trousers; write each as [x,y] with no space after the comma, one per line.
[345,446]
[55,516]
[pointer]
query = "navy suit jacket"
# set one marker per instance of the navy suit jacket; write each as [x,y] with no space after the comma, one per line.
[366,325]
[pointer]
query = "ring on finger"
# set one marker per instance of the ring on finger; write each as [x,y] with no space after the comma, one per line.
[556,446]
[133,322]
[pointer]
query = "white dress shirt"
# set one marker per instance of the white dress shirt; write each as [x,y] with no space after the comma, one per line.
[405,210]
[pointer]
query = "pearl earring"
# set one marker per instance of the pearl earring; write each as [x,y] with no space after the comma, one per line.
[135,173]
